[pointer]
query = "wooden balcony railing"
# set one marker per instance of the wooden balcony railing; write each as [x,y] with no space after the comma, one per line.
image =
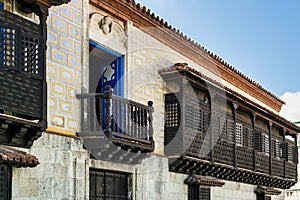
[23,87]
[124,122]
[194,133]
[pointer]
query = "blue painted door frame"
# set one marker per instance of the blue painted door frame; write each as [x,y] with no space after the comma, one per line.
[116,73]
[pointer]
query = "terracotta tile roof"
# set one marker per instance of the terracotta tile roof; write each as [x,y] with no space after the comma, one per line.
[14,157]
[267,190]
[204,180]
[272,191]
[184,67]
[162,23]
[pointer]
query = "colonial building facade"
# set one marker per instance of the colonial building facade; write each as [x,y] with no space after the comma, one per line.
[102,99]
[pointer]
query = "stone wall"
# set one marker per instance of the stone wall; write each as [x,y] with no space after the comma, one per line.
[233,190]
[61,174]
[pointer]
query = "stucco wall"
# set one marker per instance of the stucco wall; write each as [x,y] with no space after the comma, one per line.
[64,66]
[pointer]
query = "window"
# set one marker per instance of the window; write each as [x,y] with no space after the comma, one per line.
[277,148]
[239,134]
[196,192]
[204,193]
[5,182]
[108,185]
[268,198]
[257,141]
[193,192]
[265,144]
[230,130]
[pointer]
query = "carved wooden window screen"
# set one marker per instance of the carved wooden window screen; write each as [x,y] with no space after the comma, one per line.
[265,144]
[194,113]
[248,137]
[172,119]
[239,134]
[277,148]
[230,130]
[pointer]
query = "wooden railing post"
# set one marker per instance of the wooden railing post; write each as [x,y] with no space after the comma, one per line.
[270,148]
[285,153]
[151,110]
[234,110]
[253,118]
[108,97]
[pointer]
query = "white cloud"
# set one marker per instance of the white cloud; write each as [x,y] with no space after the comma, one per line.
[291,110]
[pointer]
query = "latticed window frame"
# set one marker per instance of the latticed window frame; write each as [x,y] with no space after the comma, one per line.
[278,149]
[198,192]
[230,130]
[265,144]
[239,134]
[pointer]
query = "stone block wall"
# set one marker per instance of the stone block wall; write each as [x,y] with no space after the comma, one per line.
[61,174]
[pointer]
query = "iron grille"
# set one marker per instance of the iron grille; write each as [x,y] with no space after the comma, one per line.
[196,192]
[108,186]
[204,193]
[193,192]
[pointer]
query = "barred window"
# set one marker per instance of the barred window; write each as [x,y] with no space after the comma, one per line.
[193,192]
[196,192]
[265,144]
[204,193]
[277,149]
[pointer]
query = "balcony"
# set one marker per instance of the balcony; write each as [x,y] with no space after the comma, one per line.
[22,80]
[115,128]
[212,131]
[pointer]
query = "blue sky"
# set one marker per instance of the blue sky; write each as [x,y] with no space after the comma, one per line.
[259,38]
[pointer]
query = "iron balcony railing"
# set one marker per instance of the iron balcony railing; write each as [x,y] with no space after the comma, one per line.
[124,122]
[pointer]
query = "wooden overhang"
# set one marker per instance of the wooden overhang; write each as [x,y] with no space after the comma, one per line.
[187,163]
[266,190]
[16,158]
[200,80]
[203,180]
[190,165]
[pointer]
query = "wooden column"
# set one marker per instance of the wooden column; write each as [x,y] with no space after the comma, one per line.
[108,97]
[253,118]
[270,147]
[212,125]
[235,107]
[285,155]
[42,11]
[182,147]
[150,104]
[297,158]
